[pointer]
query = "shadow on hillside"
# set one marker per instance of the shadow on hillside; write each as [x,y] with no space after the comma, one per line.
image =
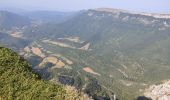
[143,98]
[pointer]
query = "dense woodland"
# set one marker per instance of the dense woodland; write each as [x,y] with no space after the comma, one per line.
[18,81]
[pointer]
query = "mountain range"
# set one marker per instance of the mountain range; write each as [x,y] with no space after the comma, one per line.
[103,52]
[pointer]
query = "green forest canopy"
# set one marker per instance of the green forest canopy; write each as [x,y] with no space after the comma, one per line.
[18,81]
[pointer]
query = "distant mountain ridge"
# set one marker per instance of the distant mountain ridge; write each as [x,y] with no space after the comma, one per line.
[10,20]
[119,16]
[49,16]
[156,15]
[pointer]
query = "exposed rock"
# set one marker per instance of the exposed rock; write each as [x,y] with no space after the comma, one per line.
[114,11]
[111,10]
[159,92]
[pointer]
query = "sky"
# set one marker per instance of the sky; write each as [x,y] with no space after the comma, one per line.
[154,6]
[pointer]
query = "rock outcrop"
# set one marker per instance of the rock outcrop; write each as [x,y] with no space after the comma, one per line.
[159,92]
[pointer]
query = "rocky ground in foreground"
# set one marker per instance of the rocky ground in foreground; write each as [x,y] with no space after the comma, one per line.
[159,92]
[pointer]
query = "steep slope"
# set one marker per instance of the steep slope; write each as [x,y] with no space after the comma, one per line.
[126,50]
[10,20]
[18,81]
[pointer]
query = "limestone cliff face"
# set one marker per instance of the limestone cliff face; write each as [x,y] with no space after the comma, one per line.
[159,92]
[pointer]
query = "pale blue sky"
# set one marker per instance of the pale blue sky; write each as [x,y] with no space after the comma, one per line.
[160,6]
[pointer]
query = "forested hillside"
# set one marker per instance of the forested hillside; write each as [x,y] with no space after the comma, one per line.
[18,81]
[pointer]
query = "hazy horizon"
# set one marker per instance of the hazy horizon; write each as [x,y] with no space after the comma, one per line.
[152,6]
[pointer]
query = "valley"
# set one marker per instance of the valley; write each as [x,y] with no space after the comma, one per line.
[102,52]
